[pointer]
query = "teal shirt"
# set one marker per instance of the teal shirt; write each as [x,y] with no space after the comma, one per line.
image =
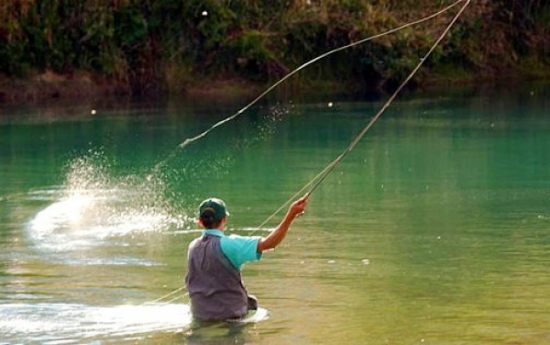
[238,249]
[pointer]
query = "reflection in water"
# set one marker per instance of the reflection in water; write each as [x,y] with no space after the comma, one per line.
[230,332]
[219,334]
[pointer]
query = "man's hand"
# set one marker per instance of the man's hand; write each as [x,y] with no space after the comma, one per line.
[276,236]
[298,207]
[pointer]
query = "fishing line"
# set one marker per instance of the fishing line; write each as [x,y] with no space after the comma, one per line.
[317,180]
[188,141]
[321,176]
[163,298]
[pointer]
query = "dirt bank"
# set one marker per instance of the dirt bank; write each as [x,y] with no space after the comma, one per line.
[51,86]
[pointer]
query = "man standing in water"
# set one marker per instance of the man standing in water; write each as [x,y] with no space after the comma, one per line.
[214,264]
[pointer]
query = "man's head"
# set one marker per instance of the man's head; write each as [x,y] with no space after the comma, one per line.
[211,212]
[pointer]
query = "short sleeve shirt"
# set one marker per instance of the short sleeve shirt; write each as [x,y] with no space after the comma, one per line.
[238,249]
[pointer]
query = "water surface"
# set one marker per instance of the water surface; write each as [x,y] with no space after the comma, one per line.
[433,230]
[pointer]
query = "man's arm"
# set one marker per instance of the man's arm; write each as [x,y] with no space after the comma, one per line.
[276,236]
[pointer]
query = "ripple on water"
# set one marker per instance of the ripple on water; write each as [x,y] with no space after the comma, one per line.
[56,323]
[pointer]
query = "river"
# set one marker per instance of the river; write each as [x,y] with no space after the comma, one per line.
[434,229]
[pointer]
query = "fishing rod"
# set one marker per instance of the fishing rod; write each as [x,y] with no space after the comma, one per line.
[317,180]
[361,134]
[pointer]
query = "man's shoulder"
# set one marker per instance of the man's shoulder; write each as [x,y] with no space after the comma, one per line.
[241,238]
[237,237]
[240,249]
[239,244]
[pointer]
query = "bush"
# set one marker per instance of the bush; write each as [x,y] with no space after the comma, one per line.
[144,43]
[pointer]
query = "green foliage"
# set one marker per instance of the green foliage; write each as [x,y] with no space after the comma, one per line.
[153,44]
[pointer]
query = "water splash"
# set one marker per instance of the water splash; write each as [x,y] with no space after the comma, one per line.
[59,323]
[257,127]
[92,207]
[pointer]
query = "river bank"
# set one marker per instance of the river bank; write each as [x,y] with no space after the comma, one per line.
[195,49]
[49,86]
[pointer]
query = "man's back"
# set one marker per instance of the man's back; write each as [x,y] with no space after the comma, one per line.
[214,284]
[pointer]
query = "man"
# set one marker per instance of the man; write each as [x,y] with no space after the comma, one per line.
[214,278]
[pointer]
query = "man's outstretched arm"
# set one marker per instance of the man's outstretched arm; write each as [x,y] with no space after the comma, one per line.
[276,236]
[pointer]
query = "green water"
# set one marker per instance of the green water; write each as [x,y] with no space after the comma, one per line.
[433,230]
